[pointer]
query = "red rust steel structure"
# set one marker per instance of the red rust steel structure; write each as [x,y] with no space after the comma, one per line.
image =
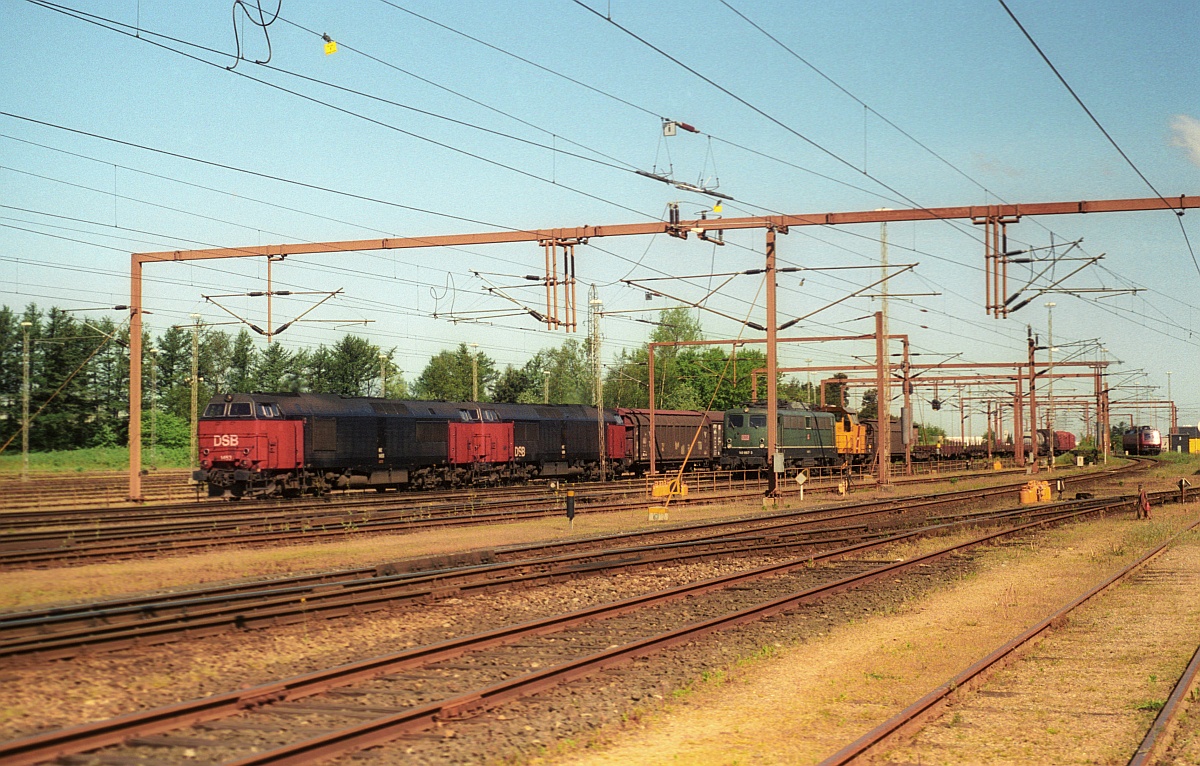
[773,225]
[1158,404]
[1018,374]
[739,342]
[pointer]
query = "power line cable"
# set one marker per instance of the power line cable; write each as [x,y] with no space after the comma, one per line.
[757,110]
[116,27]
[459,94]
[1096,122]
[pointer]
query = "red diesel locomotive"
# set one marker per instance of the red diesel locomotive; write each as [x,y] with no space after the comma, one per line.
[290,444]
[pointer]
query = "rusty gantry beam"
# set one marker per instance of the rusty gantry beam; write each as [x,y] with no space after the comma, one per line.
[772,224]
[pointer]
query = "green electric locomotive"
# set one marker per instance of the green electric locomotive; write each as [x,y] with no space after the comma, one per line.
[806,436]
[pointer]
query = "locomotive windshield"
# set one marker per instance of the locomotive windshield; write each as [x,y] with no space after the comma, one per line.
[242,410]
[758,421]
[736,421]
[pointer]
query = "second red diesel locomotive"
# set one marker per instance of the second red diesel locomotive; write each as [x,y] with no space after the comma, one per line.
[254,445]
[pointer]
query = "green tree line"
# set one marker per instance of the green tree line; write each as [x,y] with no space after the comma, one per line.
[79,375]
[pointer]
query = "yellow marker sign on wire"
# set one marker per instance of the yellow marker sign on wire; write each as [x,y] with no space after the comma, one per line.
[330,47]
[717,208]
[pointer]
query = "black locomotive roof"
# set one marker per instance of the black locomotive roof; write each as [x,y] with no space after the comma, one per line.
[296,405]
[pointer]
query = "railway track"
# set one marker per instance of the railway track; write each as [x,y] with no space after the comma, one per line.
[374,701]
[100,490]
[96,489]
[61,632]
[87,539]
[934,702]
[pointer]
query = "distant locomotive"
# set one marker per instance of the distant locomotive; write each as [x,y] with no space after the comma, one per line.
[1142,440]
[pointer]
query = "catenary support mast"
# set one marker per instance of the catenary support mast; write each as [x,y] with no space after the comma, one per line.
[775,223]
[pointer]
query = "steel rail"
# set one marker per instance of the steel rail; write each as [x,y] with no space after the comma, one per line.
[380,731]
[1157,740]
[259,507]
[978,673]
[41,747]
[140,542]
[56,633]
[67,551]
[71,549]
[37,637]
[101,611]
[61,630]
[105,610]
[283,609]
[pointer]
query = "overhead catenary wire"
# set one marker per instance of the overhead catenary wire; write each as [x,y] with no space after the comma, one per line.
[758,110]
[1096,122]
[710,136]
[115,26]
[867,107]
[709,81]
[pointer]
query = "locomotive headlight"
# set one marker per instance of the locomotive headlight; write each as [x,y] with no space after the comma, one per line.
[204,451]
[762,442]
[729,442]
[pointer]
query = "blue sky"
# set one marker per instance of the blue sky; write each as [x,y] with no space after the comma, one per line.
[957,76]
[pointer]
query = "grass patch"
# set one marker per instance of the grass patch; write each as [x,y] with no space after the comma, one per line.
[93,459]
[1152,706]
[1178,458]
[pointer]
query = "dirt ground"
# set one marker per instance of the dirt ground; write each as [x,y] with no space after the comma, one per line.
[810,699]
[28,589]
[794,704]
[1089,692]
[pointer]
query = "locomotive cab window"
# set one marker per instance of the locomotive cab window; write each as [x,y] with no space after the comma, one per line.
[758,421]
[469,416]
[268,411]
[807,421]
[215,410]
[490,416]
[241,410]
[736,421]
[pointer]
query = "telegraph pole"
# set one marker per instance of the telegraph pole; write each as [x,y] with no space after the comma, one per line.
[1050,440]
[594,304]
[382,375]
[25,400]
[474,372]
[154,406]
[195,390]
[1032,403]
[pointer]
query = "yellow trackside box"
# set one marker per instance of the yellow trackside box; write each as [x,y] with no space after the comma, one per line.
[669,488]
[1029,493]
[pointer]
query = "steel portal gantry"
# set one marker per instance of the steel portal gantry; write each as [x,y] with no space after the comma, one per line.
[775,224]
